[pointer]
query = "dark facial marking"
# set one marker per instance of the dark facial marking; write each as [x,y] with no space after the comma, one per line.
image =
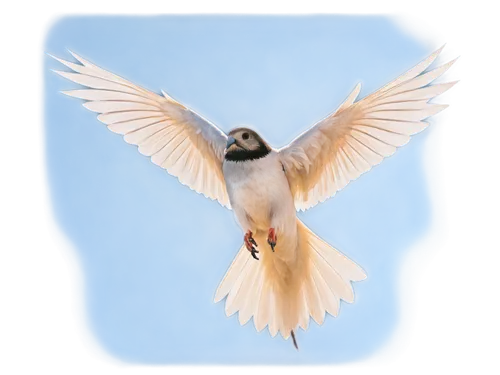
[241,153]
[246,155]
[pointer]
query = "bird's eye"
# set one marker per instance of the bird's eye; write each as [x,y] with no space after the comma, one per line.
[245,136]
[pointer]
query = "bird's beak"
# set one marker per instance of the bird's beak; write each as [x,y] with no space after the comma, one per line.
[230,141]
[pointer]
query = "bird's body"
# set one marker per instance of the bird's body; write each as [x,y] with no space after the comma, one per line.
[293,273]
[260,195]
[284,273]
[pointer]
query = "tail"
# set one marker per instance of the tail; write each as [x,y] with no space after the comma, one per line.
[283,294]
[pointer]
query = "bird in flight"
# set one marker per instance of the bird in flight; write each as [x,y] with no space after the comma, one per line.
[283,274]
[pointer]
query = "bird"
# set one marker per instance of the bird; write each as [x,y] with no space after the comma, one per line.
[283,274]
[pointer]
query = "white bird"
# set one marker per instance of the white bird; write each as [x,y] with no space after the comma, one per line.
[283,273]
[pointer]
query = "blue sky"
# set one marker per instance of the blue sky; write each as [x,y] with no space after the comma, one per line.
[153,251]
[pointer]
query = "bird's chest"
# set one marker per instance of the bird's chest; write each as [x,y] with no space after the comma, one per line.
[252,185]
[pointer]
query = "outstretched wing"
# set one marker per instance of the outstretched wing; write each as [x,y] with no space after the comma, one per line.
[350,141]
[176,138]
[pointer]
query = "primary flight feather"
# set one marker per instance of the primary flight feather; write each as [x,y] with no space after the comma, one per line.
[284,273]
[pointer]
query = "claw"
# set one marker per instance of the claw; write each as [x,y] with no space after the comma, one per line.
[253,254]
[272,244]
[272,238]
[250,243]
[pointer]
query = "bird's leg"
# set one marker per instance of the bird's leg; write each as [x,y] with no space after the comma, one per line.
[250,243]
[272,238]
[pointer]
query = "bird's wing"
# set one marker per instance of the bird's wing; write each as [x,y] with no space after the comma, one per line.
[357,136]
[176,138]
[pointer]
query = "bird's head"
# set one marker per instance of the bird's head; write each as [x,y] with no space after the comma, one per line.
[245,144]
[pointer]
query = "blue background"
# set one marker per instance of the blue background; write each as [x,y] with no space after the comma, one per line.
[153,251]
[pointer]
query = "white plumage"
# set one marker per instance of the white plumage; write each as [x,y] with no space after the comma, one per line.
[304,276]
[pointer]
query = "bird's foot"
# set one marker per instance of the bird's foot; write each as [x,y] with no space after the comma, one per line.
[251,244]
[272,238]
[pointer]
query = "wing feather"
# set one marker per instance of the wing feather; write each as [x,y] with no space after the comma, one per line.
[359,135]
[176,138]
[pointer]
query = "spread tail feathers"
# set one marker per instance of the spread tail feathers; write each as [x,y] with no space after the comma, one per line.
[282,295]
